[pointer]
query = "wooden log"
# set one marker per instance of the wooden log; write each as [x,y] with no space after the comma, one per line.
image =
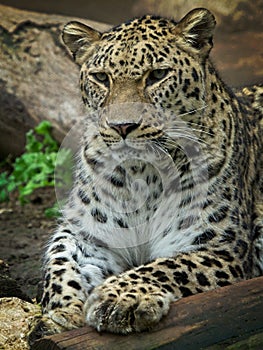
[39,80]
[215,319]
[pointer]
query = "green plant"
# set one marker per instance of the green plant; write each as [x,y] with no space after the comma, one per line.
[35,167]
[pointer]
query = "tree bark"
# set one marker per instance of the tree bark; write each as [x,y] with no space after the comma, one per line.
[228,316]
[38,79]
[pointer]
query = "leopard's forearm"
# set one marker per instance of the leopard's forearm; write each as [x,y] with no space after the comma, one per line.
[137,299]
[72,270]
[187,273]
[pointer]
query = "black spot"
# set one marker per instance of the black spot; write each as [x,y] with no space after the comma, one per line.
[185,168]
[219,215]
[180,73]
[213,112]
[191,265]
[160,303]
[221,274]
[83,196]
[56,288]
[134,283]
[186,84]
[187,61]
[169,263]
[195,75]
[67,297]
[210,262]
[58,248]
[131,295]
[121,223]
[167,287]
[60,261]
[116,181]
[213,86]
[112,295]
[75,257]
[87,278]
[59,272]
[66,231]
[93,162]
[95,196]
[56,305]
[143,290]
[239,271]
[74,285]
[206,262]
[163,279]
[123,284]
[47,280]
[185,291]
[205,237]
[144,269]
[195,93]
[181,277]
[202,279]
[98,215]
[223,283]
[233,271]
[241,248]
[229,235]
[214,98]
[134,276]
[167,93]
[60,237]
[45,299]
[225,255]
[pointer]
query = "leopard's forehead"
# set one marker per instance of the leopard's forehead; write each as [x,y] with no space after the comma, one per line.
[151,28]
[139,44]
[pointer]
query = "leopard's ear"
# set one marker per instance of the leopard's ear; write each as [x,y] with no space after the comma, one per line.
[79,38]
[195,31]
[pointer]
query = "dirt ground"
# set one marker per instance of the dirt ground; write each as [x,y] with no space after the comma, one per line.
[24,230]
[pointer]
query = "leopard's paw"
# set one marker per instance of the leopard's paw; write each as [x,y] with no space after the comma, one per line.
[56,321]
[109,308]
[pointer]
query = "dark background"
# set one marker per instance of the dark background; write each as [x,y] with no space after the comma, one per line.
[108,11]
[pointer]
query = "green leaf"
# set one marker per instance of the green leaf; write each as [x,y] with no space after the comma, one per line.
[4,196]
[43,127]
[35,167]
[53,212]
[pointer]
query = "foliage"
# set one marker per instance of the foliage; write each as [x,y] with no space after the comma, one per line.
[35,167]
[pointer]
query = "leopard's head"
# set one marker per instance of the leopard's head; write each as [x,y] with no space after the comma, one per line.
[149,61]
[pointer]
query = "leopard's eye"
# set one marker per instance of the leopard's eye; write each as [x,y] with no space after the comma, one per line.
[101,77]
[156,75]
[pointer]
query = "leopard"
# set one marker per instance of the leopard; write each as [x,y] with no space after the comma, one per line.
[167,199]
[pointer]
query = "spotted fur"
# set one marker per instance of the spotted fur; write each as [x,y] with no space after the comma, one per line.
[116,261]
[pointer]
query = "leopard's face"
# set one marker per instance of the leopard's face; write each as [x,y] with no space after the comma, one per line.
[142,63]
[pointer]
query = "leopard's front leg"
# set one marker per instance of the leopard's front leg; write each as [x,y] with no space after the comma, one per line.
[137,299]
[71,271]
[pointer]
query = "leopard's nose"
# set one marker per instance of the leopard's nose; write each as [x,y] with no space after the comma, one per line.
[123,129]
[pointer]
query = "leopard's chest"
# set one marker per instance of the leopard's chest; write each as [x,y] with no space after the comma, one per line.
[143,210]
